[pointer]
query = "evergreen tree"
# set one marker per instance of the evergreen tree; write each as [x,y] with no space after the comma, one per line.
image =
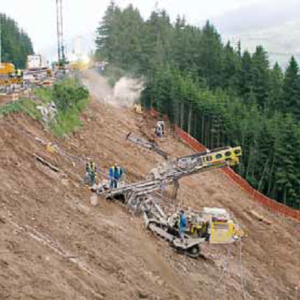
[16,45]
[260,76]
[274,100]
[211,56]
[291,89]
[231,68]
[158,40]
[246,79]
[108,34]
[131,38]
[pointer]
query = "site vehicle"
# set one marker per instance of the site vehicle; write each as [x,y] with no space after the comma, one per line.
[36,62]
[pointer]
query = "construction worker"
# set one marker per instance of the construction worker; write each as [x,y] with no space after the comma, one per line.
[19,73]
[182,225]
[90,176]
[158,130]
[196,230]
[87,173]
[93,171]
[205,230]
[115,174]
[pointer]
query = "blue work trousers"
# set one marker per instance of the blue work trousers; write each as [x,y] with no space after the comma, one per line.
[113,183]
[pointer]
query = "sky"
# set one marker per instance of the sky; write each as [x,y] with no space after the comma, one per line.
[250,20]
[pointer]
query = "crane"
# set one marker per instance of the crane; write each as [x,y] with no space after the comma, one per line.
[60,34]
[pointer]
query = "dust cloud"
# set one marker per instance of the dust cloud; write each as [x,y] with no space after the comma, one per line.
[125,93]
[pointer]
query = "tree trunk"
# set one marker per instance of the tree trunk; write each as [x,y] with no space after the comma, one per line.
[182,115]
[212,133]
[248,164]
[195,129]
[284,195]
[271,177]
[263,175]
[176,113]
[203,129]
[190,121]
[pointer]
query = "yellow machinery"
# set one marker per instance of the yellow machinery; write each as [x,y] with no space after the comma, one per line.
[215,225]
[212,225]
[137,108]
[9,76]
[227,154]
[49,72]
[52,148]
[78,65]
[7,70]
[221,227]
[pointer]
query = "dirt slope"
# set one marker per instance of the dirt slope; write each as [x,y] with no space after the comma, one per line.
[55,245]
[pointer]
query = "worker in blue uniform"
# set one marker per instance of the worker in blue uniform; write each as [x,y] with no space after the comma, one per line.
[182,225]
[115,174]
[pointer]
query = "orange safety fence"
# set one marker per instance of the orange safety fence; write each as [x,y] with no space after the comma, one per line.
[242,183]
[237,179]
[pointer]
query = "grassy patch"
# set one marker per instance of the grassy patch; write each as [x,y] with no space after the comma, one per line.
[70,97]
[43,94]
[25,106]
[68,122]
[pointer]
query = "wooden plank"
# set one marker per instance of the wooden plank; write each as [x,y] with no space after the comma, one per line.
[260,217]
[47,164]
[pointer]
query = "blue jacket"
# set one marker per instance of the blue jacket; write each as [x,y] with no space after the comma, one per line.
[182,221]
[115,172]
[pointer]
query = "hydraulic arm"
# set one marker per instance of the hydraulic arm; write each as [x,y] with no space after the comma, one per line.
[175,169]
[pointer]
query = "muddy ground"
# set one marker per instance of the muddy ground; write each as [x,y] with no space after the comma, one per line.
[54,244]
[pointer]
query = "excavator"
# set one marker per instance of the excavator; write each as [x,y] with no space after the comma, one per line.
[212,225]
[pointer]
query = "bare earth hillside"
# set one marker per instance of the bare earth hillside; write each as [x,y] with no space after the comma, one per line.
[55,245]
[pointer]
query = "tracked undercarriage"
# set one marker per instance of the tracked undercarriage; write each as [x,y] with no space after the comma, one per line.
[157,222]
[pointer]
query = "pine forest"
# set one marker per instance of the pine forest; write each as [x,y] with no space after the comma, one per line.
[216,92]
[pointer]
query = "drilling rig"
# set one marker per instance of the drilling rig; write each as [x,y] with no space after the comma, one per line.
[213,225]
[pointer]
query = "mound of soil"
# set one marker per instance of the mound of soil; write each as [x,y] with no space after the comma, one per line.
[54,244]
